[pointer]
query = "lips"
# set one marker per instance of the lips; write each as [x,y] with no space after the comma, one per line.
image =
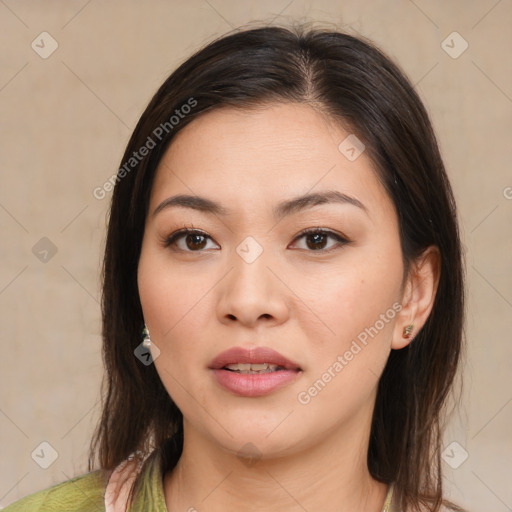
[261,379]
[258,355]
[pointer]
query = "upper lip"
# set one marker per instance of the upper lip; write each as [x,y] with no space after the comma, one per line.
[255,355]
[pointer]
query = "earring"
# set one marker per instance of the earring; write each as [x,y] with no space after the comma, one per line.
[147,340]
[407,331]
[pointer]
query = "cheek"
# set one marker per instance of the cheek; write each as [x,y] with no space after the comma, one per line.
[169,294]
[173,311]
[177,305]
[360,307]
[357,304]
[359,294]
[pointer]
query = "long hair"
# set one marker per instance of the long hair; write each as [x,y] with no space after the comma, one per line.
[351,81]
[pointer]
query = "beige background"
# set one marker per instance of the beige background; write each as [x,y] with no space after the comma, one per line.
[65,121]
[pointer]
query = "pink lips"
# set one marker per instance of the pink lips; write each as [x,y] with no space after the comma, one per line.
[251,385]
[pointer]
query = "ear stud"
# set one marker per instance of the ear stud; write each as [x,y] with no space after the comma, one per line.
[407,331]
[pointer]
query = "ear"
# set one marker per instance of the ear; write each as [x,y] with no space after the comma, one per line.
[419,292]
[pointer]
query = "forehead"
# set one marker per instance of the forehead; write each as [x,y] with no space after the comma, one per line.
[264,154]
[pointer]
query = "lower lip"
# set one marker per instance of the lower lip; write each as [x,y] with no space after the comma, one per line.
[246,384]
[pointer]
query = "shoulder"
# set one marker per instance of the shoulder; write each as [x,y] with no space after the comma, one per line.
[80,494]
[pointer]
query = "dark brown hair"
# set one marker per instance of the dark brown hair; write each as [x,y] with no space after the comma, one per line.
[348,79]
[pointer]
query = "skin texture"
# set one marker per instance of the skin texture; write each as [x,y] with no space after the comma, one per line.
[307,303]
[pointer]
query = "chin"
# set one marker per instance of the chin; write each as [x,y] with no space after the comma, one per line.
[261,440]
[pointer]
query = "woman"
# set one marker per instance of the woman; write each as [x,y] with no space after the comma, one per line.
[282,289]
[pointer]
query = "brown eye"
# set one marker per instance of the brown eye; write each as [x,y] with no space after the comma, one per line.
[195,241]
[317,239]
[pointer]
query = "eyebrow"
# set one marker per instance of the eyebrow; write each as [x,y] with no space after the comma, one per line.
[283,209]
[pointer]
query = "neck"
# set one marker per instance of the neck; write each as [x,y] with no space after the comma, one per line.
[332,476]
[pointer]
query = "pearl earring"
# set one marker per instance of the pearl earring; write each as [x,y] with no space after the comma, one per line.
[147,340]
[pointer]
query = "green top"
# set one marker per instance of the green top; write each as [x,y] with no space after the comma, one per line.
[86,493]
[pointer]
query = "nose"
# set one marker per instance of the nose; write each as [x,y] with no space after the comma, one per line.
[252,293]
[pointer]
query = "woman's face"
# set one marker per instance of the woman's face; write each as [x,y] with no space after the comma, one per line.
[251,279]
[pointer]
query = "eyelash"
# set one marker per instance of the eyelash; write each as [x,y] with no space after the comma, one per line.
[171,239]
